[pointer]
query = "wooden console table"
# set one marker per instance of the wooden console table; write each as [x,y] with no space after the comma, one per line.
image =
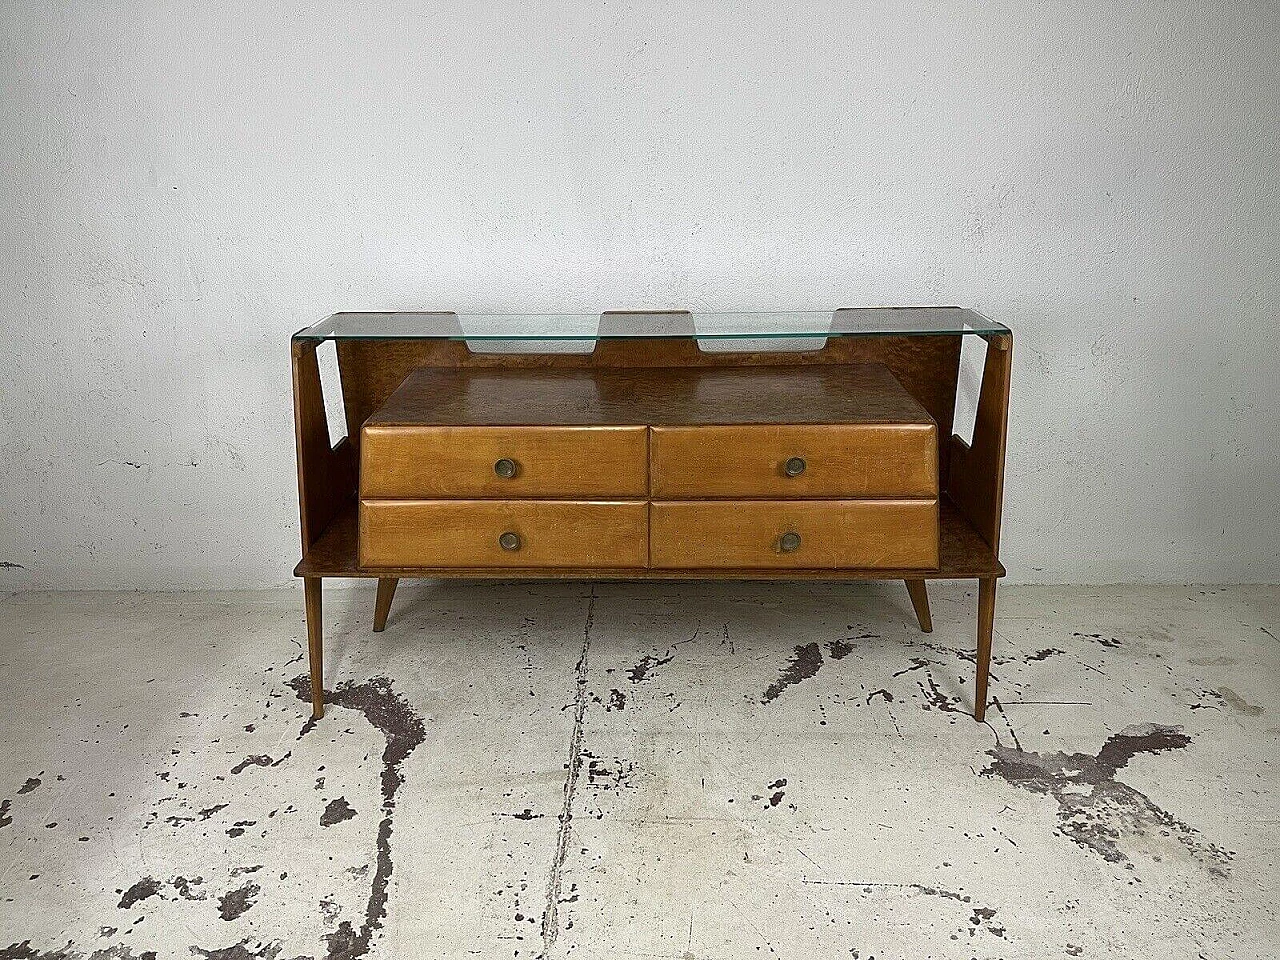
[650,457]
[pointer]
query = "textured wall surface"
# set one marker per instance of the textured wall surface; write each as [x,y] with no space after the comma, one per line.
[185,184]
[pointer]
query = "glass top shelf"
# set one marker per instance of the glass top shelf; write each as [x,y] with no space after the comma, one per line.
[849,322]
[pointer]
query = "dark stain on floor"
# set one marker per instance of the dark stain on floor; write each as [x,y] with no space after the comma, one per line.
[805,662]
[392,716]
[258,761]
[917,663]
[24,951]
[607,773]
[934,698]
[1101,638]
[641,670]
[1096,811]
[31,784]
[938,892]
[647,663]
[146,887]
[183,887]
[235,902]
[241,951]
[525,814]
[779,792]
[1044,654]
[336,812]
[981,918]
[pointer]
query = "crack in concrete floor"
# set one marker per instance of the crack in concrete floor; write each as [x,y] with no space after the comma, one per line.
[551,911]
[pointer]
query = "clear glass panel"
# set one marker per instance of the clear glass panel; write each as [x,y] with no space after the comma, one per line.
[853,322]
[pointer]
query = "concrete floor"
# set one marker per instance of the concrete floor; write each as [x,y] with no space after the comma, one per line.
[650,770]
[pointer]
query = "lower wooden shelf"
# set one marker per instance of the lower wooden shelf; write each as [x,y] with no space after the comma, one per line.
[963,554]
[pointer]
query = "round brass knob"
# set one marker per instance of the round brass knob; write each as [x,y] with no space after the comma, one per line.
[505,468]
[509,540]
[794,467]
[789,542]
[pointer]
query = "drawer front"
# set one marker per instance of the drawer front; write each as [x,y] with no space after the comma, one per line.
[502,533]
[880,534]
[857,460]
[403,462]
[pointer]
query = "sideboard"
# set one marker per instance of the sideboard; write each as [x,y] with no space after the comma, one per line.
[655,445]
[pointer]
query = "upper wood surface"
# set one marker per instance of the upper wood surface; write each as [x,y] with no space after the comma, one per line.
[926,366]
[847,394]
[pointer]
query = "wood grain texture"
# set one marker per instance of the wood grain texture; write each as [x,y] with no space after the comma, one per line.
[926,366]
[326,475]
[465,533]
[961,554]
[408,462]
[975,478]
[857,460]
[311,589]
[919,594]
[873,534]
[861,393]
[986,628]
[770,386]
[382,603]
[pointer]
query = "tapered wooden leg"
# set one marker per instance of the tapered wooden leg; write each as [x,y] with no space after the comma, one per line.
[986,625]
[311,588]
[382,606]
[920,600]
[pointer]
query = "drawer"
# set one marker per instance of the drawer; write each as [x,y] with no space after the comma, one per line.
[854,460]
[470,533]
[880,534]
[402,462]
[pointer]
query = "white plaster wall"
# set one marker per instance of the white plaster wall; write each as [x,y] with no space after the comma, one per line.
[182,185]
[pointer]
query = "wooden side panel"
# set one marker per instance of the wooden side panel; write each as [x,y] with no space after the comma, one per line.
[326,475]
[975,480]
[409,462]
[862,460]
[876,534]
[467,533]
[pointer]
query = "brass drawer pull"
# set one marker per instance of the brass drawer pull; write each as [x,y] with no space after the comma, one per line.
[794,467]
[509,541]
[789,542]
[505,468]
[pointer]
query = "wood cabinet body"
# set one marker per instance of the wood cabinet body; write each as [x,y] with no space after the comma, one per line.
[652,459]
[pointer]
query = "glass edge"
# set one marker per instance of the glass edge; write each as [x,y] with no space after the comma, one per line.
[308,333]
[989,327]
